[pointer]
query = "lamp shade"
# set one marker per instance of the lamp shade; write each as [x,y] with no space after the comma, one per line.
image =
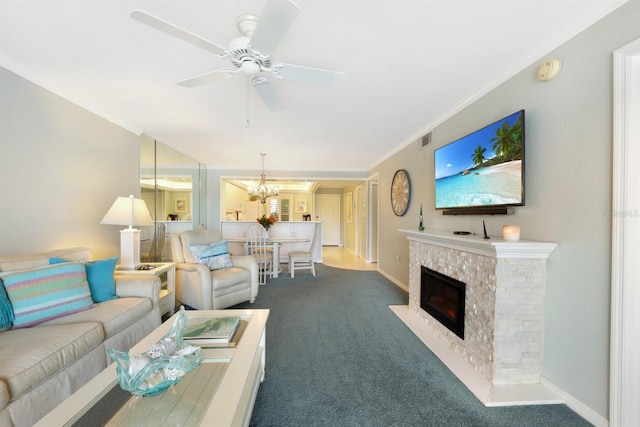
[128,211]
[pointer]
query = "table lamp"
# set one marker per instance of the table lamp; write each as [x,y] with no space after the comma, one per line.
[128,211]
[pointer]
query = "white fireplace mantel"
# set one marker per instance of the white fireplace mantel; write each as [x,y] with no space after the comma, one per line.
[494,246]
[500,357]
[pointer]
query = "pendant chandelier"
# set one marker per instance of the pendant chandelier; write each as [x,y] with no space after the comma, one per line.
[262,190]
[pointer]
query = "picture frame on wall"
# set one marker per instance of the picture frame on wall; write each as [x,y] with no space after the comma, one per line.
[349,207]
[181,205]
[301,205]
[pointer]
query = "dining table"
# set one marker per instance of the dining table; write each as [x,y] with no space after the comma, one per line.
[274,243]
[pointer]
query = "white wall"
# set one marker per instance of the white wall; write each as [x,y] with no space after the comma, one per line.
[568,197]
[61,168]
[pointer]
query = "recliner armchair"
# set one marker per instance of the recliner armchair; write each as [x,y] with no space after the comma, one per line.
[203,289]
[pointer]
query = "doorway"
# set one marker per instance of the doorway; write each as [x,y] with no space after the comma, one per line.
[372,246]
[625,251]
[328,211]
[360,214]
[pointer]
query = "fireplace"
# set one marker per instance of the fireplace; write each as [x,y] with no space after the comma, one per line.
[443,297]
[504,287]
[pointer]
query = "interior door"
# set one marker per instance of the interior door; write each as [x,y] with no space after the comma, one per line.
[328,211]
[361,222]
[372,244]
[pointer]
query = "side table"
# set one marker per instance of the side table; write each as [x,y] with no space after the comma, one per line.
[167,296]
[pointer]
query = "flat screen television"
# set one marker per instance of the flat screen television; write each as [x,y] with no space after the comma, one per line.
[484,169]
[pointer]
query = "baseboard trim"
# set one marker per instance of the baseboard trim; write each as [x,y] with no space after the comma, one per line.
[490,395]
[577,406]
[393,279]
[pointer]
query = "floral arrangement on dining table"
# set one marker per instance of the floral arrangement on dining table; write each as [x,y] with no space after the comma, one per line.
[267,221]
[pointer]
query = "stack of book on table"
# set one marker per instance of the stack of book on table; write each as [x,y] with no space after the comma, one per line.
[201,330]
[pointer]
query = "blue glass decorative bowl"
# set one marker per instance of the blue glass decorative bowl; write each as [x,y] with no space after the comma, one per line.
[163,365]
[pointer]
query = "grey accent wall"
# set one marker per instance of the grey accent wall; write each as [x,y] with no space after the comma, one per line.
[61,168]
[568,196]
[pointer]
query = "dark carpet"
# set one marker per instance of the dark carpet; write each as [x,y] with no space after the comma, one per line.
[338,356]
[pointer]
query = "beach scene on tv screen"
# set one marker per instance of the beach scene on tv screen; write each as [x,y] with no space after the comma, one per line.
[483,168]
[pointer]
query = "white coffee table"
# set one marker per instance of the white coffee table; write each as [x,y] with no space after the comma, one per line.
[220,392]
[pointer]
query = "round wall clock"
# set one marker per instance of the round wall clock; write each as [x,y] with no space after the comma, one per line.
[400,192]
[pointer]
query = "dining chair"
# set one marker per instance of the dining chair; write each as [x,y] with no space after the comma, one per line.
[258,248]
[299,260]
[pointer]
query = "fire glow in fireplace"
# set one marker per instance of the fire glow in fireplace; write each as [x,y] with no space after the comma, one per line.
[443,298]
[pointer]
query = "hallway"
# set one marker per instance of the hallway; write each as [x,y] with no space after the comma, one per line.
[339,257]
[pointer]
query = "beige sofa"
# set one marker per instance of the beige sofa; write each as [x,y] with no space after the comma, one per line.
[42,365]
[203,289]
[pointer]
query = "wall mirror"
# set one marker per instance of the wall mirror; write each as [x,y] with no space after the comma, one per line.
[173,187]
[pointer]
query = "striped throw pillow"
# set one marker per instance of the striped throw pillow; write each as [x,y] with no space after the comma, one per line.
[47,292]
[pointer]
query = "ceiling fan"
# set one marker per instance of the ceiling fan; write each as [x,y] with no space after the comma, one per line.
[250,54]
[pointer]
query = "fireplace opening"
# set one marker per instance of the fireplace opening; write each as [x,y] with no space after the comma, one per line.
[443,298]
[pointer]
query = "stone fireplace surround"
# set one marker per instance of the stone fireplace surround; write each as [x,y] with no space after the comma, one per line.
[500,359]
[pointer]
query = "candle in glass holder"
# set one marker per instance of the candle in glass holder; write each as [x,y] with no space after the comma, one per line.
[511,233]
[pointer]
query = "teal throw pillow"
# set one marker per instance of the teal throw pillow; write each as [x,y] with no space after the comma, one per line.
[214,255]
[102,283]
[6,309]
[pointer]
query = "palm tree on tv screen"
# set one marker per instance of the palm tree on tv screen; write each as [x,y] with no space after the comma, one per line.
[506,143]
[478,155]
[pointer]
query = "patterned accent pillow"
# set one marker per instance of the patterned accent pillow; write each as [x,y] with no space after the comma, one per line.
[100,275]
[213,255]
[47,292]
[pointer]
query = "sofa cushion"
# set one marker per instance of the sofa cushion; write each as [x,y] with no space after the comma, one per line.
[32,355]
[5,398]
[114,315]
[47,292]
[214,255]
[30,261]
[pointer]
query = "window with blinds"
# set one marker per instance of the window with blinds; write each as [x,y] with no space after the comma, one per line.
[281,208]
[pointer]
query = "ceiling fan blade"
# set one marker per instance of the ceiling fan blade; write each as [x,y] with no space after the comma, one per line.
[275,20]
[308,74]
[267,93]
[166,27]
[211,76]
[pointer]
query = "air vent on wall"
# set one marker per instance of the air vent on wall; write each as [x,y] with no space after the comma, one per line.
[426,139]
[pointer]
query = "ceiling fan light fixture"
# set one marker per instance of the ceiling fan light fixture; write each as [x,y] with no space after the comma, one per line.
[250,67]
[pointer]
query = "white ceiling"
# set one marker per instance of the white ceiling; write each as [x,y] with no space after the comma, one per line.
[409,65]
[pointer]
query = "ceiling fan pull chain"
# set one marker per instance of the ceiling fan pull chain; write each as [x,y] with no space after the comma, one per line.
[247,125]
